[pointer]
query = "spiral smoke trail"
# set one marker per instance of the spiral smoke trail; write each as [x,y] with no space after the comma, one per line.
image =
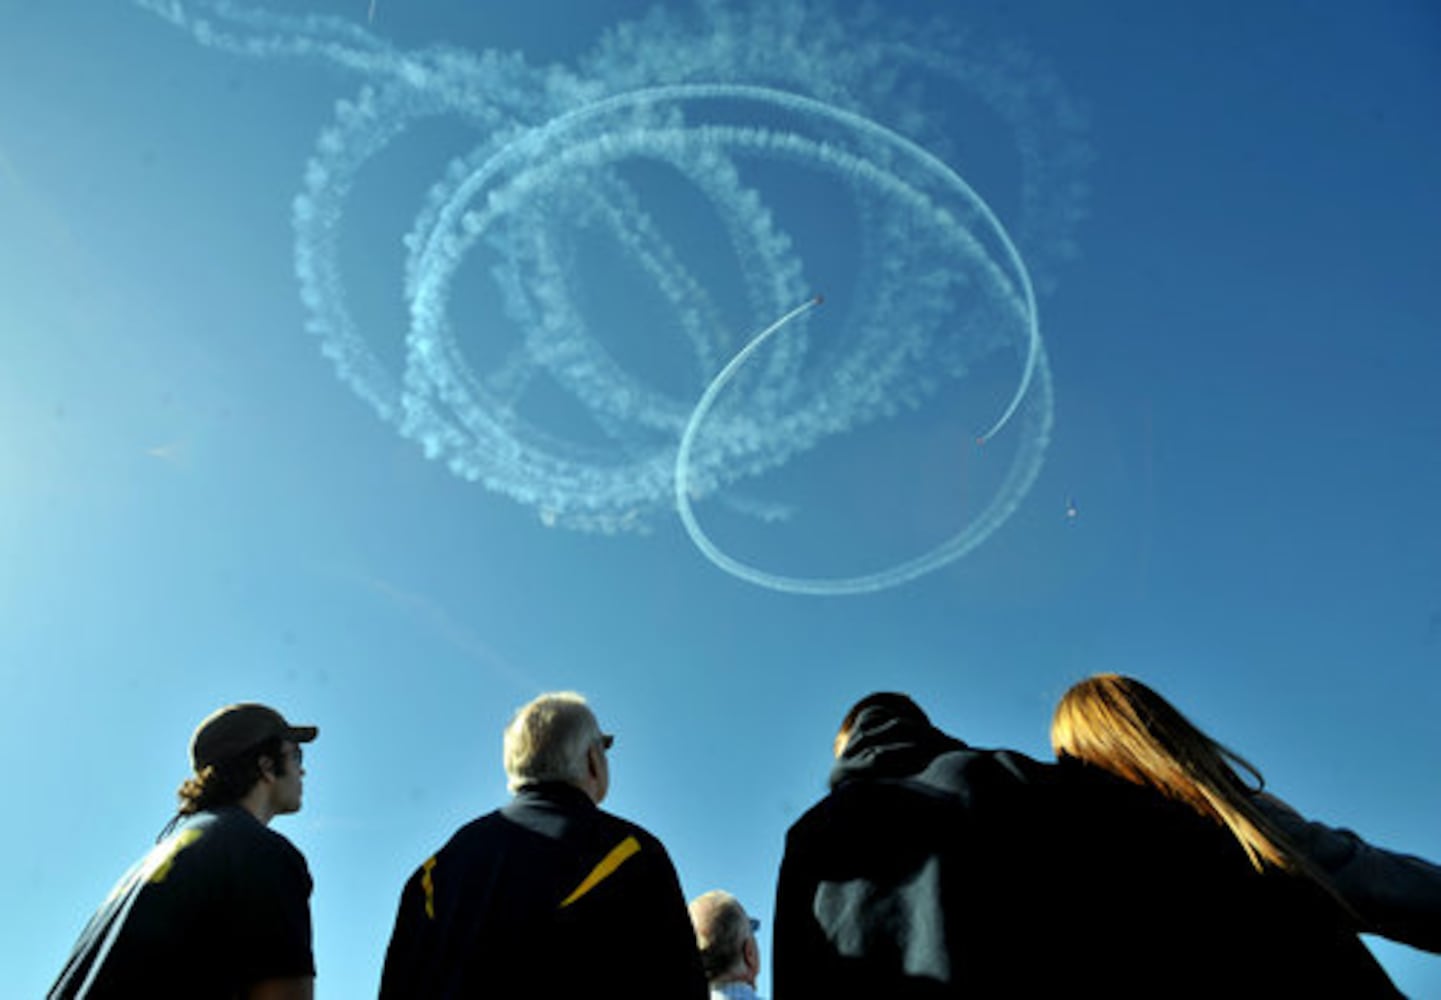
[714,98]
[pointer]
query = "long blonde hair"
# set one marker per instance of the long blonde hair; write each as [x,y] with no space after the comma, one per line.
[1121,725]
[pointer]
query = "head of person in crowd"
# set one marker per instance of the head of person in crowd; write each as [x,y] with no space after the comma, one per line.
[1119,724]
[556,738]
[247,755]
[725,935]
[900,707]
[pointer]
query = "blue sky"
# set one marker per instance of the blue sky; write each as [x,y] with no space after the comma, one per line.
[1232,218]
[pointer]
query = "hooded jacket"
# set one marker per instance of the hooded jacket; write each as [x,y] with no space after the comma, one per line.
[900,883]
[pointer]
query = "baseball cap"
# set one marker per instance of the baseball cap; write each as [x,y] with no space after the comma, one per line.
[230,731]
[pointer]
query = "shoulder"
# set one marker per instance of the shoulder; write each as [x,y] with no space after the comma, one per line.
[614,828]
[962,774]
[245,838]
[863,813]
[475,839]
[478,829]
[956,790]
[971,770]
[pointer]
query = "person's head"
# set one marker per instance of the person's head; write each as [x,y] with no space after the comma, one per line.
[246,754]
[556,738]
[1119,724]
[894,704]
[726,937]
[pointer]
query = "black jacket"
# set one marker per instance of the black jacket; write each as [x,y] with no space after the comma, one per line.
[900,883]
[934,869]
[546,897]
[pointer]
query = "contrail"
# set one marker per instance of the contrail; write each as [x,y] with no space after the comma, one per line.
[939,284]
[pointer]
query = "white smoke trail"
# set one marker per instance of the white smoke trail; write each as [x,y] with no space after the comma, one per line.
[940,284]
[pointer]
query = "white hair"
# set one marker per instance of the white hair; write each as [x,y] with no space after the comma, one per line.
[547,740]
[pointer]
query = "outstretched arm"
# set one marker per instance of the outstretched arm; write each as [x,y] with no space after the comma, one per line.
[1396,895]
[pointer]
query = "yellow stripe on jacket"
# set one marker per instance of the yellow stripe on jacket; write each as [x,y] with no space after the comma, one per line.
[604,870]
[428,885]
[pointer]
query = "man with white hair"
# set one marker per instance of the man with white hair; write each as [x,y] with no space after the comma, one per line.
[726,937]
[547,896]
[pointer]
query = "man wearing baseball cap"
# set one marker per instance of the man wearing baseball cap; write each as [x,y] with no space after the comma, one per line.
[220,907]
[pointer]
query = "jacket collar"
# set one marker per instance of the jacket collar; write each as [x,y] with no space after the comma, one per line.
[558,792]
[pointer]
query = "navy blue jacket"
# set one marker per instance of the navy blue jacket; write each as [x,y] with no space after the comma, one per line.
[548,896]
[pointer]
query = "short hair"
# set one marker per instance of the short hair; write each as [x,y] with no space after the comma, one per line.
[547,740]
[229,781]
[893,702]
[721,930]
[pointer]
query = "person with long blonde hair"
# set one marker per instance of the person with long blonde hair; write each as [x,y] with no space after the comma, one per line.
[1120,725]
